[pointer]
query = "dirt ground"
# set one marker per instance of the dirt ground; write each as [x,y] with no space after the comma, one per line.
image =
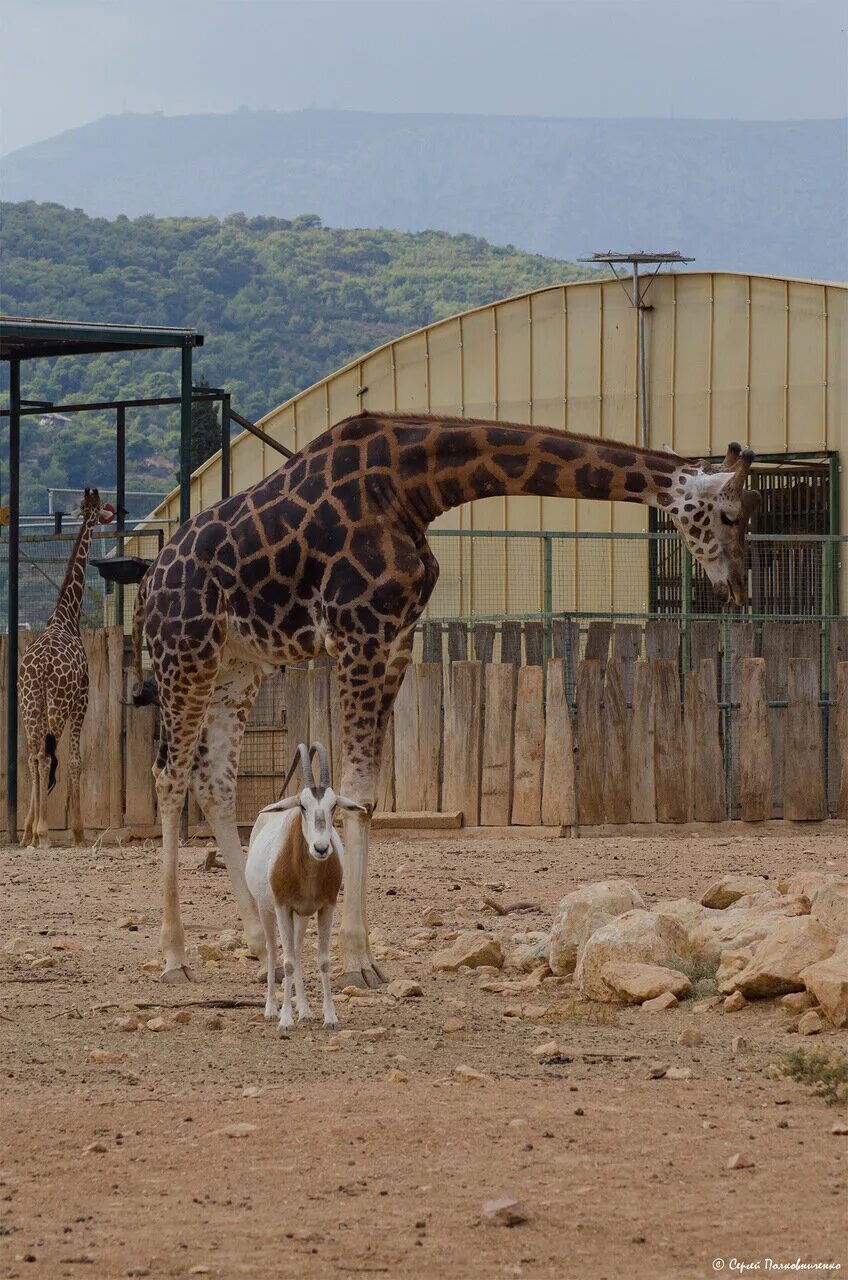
[347,1173]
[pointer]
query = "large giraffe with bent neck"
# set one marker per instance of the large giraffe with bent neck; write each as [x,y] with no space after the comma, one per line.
[53,684]
[330,554]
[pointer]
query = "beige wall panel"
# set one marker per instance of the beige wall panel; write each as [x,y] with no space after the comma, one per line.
[564,558]
[488,558]
[660,351]
[547,313]
[730,361]
[446,369]
[768,344]
[583,327]
[411,373]
[837,374]
[247,467]
[210,486]
[806,366]
[378,377]
[619,365]
[478,363]
[311,415]
[514,391]
[593,559]
[524,571]
[342,389]
[692,364]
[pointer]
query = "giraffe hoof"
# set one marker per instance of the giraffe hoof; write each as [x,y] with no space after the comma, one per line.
[177,976]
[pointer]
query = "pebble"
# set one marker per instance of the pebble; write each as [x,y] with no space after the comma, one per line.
[251,1091]
[208,951]
[691,1038]
[182,1016]
[214,1022]
[44,962]
[543,1052]
[809,1024]
[739,1161]
[840,1128]
[657,1071]
[703,1006]
[735,1002]
[373,1033]
[94,1149]
[665,1001]
[432,916]
[467,1075]
[452,1025]
[397,1077]
[105,1055]
[679,1073]
[361,993]
[150,966]
[16,946]
[138,1271]
[157,1024]
[404,989]
[127,922]
[504,1213]
[200,1270]
[797,1001]
[129,1023]
[241,1129]
[738,1045]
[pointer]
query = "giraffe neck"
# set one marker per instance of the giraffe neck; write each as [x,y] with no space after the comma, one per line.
[69,602]
[456,461]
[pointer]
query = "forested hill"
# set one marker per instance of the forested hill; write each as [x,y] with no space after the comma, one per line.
[281,303]
[743,195]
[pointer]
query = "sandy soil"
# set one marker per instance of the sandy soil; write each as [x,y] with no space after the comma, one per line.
[347,1173]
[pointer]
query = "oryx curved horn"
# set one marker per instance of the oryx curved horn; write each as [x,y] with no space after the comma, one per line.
[320,750]
[302,758]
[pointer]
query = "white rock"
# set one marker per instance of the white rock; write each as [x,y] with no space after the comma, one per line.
[635,983]
[404,989]
[631,938]
[503,1213]
[733,962]
[472,948]
[468,1075]
[659,1003]
[544,1052]
[735,1002]
[830,906]
[827,980]
[452,1025]
[729,889]
[679,1073]
[792,946]
[583,911]
[740,1161]
[810,1024]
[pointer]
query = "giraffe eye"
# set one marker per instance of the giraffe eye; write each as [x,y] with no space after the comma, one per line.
[727,520]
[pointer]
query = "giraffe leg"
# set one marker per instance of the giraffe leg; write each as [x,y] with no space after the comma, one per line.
[29,837]
[74,775]
[214,777]
[42,830]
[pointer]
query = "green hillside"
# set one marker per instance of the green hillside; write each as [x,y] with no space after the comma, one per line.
[281,303]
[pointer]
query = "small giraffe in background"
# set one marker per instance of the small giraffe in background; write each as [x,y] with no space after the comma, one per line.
[53,685]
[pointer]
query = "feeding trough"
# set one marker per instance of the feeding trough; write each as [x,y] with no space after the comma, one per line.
[122,569]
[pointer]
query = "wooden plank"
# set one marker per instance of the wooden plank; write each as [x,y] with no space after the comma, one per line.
[590,773]
[838,645]
[426,821]
[616,731]
[336,729]
[386,780]
[140,747]
[115,724]
[462,739]
[741,644]
[777,649]
[297,718]
[4,711]
[498,740]
[706,643]
[484,641]
[429,680]
[457,642]
[708,782]
[94,742]
[320,729]
[627,645]
[643,806]
[511,643]
[803,755]
[408,780]
[756,789]
[559,803]
[662,640]
[597,644]
[432,646]
[566,645]
[529,748]
[842,731]
[690,716]
[534,644]
[669,752]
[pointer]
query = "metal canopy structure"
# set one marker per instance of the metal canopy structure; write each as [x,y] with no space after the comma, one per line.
[637,297]
[22,339]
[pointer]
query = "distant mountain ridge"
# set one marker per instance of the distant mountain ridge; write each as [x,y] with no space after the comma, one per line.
[758,196]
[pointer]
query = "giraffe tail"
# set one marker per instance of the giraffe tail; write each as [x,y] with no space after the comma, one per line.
[50,748]
[145,692]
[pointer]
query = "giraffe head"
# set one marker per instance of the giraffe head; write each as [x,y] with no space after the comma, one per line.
[317,803]
[711,508]
[90,505]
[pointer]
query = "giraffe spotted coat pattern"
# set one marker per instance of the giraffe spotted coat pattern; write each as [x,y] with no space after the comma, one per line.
[329,553]
[53,685]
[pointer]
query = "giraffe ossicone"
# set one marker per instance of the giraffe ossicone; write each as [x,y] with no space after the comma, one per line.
[53,685]
[329,554]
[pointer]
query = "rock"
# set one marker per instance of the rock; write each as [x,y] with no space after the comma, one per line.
[95,1149]
[733,962]
[503,1213]
[467,1075]
[105,1055]
[827,981]
[657,1070]
[735,1002]
[679,1073]
[583,911]
[830,906]
[17,946]
[182,1016]
[697,933]
[839,1127]
[44,962]
[738,1045]
[214,1022]
[200,1270]
[229,940]
[157,1024]
[451,1026]
[241,1129]
[534,1012]
[433,916]
[128,1023]
[472,948]
[797,1001]
[356,993]
[529,957]
[635,983]
[126,922]
[704,1006]
[137,1271]
[691,1037]
[631,938]
[150,966]
[793,945]
[397,1077]
[729,889]
[404,989]
[740,1161]
[809,1024]
[208,951]
[804,884]
[372,1033]
[666,1001]
[544,1052]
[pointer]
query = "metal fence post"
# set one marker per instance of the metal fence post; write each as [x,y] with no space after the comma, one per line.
[548,588]
[12,599]
[686,607]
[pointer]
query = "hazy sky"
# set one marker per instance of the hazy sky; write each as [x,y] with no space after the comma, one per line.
[67,62]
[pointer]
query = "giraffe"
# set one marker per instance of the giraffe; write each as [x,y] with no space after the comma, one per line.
[53,684]
[329,553]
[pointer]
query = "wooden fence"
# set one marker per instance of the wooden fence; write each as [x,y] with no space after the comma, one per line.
[580,740]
